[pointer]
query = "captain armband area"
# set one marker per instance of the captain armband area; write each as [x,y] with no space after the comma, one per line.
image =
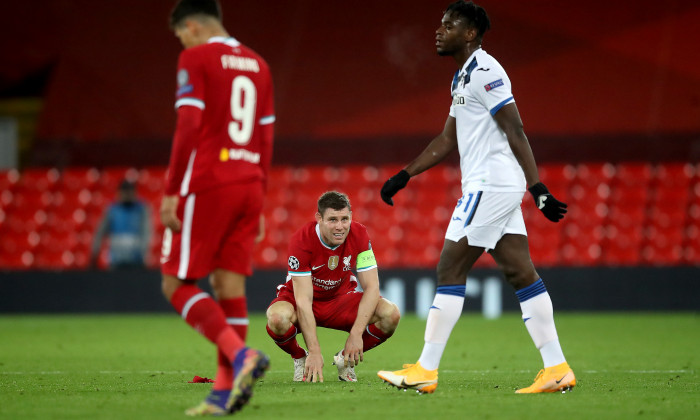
[366,260]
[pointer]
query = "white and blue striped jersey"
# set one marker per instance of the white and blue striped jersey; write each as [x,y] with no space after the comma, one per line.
[479,89]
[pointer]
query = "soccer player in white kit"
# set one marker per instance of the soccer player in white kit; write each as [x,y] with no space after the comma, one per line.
[497,164]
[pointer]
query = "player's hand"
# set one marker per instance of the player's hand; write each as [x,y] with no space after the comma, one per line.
[261,229]
[168,213]
[552,208]
[393,185]
[313,369]
[352,353]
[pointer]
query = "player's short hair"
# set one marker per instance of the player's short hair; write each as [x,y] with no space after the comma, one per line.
[333,200]
[474,14]
[190,8]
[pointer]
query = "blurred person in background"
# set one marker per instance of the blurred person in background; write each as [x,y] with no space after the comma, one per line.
[212,206]
[127,225]
[497,166]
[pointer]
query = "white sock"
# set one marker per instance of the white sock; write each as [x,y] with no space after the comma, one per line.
[538,315]
[442,317]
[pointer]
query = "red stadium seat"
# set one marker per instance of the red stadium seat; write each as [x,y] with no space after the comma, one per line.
[691,252]
[545,256]
[580,252]
[39,179]
[630,174]
[626,216]
[592,175]
[623,245]
[111,177]
[584,216]
[678,197]
[673,175]
[662,255]
[629,195]
[625,255]
[8,179]
[664,237]
[544,238]
[79,178]
[16,260]
[667,215]
[557,177]
[55,260]
[152,178]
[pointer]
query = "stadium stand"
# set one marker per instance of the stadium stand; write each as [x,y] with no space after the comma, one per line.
[626,214]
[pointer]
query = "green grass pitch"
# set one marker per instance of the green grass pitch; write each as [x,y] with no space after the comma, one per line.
[137,367]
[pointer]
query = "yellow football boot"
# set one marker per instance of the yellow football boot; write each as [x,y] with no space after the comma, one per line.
[413,376]
[552,379]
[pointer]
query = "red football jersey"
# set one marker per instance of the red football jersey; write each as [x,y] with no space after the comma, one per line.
[232,87]
[330,268]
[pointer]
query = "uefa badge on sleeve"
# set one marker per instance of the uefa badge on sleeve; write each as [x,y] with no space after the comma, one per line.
[293,263]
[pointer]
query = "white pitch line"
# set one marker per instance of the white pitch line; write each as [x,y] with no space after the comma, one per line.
[484,372]
[115,372]
[182,372]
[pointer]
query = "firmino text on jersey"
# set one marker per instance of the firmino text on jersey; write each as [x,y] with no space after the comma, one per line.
[240,63]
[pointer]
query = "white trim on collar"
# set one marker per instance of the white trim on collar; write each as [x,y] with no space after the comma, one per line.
[230,41]
[318,233]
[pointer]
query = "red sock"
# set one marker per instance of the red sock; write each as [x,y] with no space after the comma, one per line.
[288,342]
[204,315]
[372,337]
[236,311]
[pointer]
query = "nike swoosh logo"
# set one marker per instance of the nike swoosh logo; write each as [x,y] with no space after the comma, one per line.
[405,385]
[483,69]
[456,218]
[526,319]
[540,205]
[562,378]
[435,307]
[316,268]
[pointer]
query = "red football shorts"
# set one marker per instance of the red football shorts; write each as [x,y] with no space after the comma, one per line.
[338,312]
[219,227]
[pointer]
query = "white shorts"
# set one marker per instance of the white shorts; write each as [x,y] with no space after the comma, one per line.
[485,216]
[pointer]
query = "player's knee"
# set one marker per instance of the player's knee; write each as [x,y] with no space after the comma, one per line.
[394,316]
[168,287]
[519,278]
[278,322]
[389,316]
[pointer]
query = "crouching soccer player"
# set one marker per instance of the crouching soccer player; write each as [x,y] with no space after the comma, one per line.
[320,291]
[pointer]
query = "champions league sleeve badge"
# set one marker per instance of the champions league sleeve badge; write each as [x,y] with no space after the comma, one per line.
[293,263]
[182,77]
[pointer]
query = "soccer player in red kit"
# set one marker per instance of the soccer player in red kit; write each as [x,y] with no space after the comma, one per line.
[214,193]
[320,291]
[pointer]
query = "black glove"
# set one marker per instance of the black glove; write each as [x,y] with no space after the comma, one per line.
[393,185]
[552,208]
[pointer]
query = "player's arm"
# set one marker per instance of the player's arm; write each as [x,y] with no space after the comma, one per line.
[369,280]
[100,233]
[437,150]
[189,119]
[146,232]
[508,119]
[304,295]
[266,125]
